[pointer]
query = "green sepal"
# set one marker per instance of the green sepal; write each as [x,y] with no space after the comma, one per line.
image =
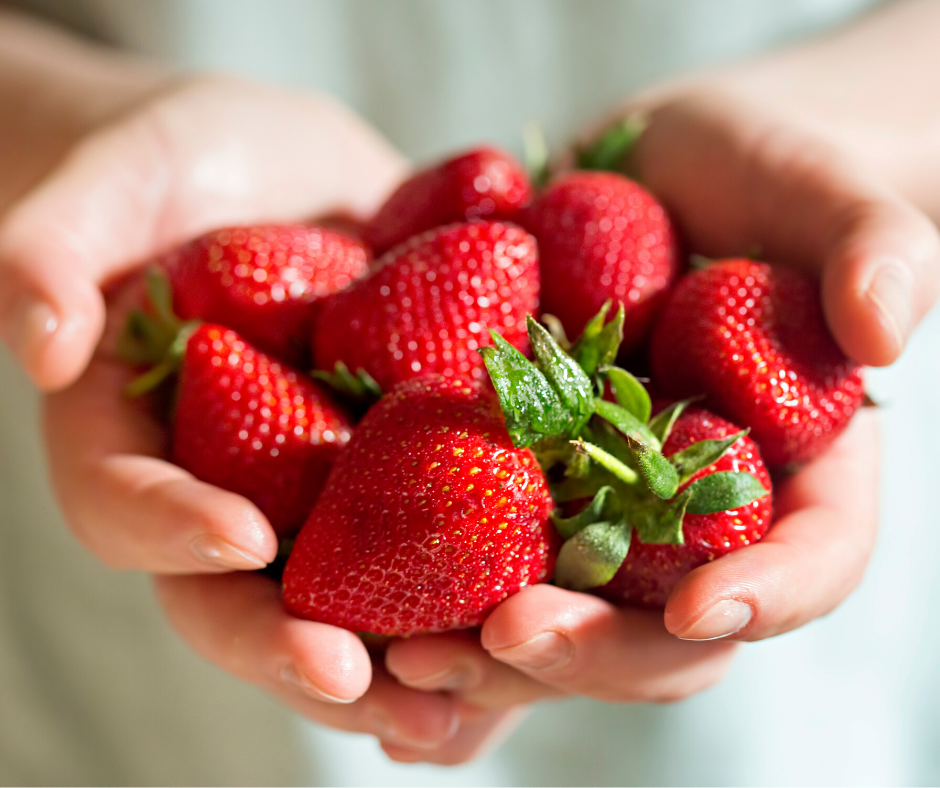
[626,422]
[169,365]
[662,423]
[576,488]
[566,377]
[630,393]
[611,148]
[599,342]
[719,492]
[557,329]
[660,522]
[144,340]
[658,473]
[360,386]
[159,339]
[532,407]
[607,461]
[700,455]
[592,557]
[603,508]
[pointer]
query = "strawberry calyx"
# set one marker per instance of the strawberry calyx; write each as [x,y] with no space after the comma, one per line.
[610,150]
[156,337]
[359,391]
[607,453]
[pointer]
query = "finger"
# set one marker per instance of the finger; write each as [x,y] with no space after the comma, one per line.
[581,644]
[129,506]
[211,152]
[237,621]
[738,178]
[455,662]
[474,738]
[812,558]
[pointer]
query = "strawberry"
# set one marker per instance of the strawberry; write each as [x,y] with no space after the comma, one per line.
[483,183]
[428,304]
[251,425]
[262,281]
[242,420]
[753,338]
[664,494]
[651,571]
[430,517]
[602,237]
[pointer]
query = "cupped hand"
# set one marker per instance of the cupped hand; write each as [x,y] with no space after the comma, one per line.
[737,179]
[199,154]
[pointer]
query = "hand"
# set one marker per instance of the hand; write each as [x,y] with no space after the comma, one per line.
[200,154]
[735,178]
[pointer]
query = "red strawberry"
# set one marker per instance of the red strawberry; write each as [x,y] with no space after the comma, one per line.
[247,423]
[428,304]
[262,281]
[429,519]
[753,338]
[602,237]
[651,571]
[483,183]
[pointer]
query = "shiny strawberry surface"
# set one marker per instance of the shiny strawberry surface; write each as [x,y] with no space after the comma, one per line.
[753,338]
[429,519]
[429,304]
[251,425]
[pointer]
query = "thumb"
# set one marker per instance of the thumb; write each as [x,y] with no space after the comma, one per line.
[94,215]
[209,152]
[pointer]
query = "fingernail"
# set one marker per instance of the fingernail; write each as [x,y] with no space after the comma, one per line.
[891,291]
[216,551]
[293,676]
[450,679]
[719,621]
[543,652]
[28,325]
[387,731]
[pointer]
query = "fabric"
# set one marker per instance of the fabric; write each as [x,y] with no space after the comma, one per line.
[95,689]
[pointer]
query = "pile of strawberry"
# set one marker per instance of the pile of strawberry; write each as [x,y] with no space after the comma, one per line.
[449,449]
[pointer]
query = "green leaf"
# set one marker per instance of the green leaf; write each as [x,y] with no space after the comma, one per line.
[660,522]
[361,385]
[658,473]
[592,557]
[161,296]
[700,455]
[169,364]
[626,422]
[532,408]
[719,492]
[598,344]
[603,508]
[661,424]
[557,330]
[572,386]
[610,149]
[607,461]
[144,340]
[576,488]
[630,393]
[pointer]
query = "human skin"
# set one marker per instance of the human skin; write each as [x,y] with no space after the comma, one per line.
[143,162]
